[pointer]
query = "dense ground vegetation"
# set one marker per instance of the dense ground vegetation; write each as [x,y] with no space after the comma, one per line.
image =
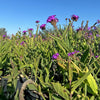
[59,64]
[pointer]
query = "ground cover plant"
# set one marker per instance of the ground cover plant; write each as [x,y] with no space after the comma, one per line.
[58,64]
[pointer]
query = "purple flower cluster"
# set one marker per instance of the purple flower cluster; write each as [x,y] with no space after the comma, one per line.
[52,18]
[4,36]
[22,43]
[79,29]
[98,21]
[37,21]
[43,26]
[55,56]
[72,53]
[75,17]
[24,31]
[30,29]
[89,28]
[97,35]
[88,35]
[96,56]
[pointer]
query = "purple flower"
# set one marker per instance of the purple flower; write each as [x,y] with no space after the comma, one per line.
[90,33]
[98,21]
[24,31]
[22,43]
[37,21]
[30,29]
[72,53]
[79,29]
[89,28]
[96,56]
[4,36]
[76,51]
[94,28]
[97,35]
[43,39]
[74,17]
[43,26]
[55,56]
[52,18]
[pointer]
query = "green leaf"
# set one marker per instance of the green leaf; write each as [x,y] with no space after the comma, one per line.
[16,96]
[92,84]
[0,73]
[70,73]
[32,87]
[92,98]
[47,76]
[78,83]
[62,91]
[76,67]
[61,65]
[61,47]
[40,92]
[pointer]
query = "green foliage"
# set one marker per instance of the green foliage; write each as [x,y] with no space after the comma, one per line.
[74,77]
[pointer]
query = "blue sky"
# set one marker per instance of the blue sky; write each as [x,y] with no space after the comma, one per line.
[24,13]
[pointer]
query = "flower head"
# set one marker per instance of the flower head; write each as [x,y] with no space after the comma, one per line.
[30,29]
[22,43]
[52,18]
[97,35]
[55,56]
[96,56]
[4,36]
[74,17]
[43,26]
[90,34]
[37,21]
[24,32]
[72,53]
[89,28]
[79,29]
[98,21]
[94,28]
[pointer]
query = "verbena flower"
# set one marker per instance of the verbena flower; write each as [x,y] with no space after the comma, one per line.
[72,53]
[94,28]
[37,21]
[24,32]
[22,43]
[43,26]
[97,35]
[96,56]
[75,17]
[30,29]
[4,36]
[52,18]
[98,21]
[79,29]
[90,34]
[89,28]
[55,56]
